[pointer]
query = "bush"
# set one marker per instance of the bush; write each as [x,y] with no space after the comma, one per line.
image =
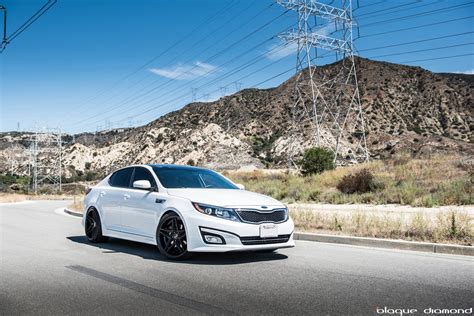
[360,182]
[316,160]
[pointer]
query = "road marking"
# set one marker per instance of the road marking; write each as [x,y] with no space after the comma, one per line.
[172,298]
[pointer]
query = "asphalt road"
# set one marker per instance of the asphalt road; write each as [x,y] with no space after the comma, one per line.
[48,268]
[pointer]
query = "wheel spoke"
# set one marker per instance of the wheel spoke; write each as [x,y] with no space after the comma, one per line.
[175,224]
[89,230]
[165,234]
[169,245]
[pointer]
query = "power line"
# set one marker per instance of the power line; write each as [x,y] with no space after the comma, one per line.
[150,61]
[209,59]
[417,41]
[394,7]
[445,9]
[416,27]
[422,50]
[137,93]
[437,58]
[183,86]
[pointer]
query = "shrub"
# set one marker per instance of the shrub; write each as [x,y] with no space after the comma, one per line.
[360,182]
[316,160]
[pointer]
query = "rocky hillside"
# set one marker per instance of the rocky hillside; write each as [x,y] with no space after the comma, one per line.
[406,109]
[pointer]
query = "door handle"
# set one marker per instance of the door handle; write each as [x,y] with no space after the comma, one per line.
[160,201]
[102,193]
[126,196]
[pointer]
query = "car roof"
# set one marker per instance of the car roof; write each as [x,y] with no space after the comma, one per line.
[175,167]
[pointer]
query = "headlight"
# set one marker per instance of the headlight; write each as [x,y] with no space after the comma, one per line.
[221,212]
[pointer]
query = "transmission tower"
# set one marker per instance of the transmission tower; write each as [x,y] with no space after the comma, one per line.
[46,158]
[194,94]
[327,105]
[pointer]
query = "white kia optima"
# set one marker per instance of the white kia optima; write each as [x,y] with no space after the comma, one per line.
[184,209]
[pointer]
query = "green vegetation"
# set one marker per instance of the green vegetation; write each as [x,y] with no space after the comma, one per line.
[316,160]
[7,179]
[440,180]
[17,183]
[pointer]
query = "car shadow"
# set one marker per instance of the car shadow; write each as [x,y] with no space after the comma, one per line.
[150,252]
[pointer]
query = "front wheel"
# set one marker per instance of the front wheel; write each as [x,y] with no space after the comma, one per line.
[171,237]
[93,227]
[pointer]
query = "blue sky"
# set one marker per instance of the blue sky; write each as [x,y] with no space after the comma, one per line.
[88,65]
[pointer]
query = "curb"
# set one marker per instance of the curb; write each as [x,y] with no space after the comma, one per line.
[73,213]
[387,243]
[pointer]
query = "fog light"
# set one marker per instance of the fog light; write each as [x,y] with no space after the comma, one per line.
[213,239]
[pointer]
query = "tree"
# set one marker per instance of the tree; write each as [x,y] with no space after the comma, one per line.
[316,160]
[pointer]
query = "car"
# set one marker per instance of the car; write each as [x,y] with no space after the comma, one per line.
[183,210]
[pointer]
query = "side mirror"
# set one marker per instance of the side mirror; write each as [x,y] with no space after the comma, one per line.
[142,184]
[240,186]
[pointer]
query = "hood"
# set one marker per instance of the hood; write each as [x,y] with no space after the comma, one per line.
[226,197]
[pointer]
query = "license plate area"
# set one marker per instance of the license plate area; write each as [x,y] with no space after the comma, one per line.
[268,230]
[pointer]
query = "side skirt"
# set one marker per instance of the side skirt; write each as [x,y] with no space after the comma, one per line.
[131,237]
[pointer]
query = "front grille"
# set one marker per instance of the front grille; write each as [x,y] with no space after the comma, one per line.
[256,240]
[254,216]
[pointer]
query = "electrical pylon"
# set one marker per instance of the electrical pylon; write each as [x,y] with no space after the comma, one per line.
[327,103]
[46,158]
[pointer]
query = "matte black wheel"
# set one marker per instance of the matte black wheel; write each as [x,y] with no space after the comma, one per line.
[93,227]
[171,237]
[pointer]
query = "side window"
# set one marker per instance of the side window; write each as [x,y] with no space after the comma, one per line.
[143,174]
[121,178]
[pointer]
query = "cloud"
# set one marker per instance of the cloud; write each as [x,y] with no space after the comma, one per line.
[276,52]
[185,72]
[466,72]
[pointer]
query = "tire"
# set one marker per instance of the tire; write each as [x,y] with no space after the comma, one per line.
[171,237]
[93,227]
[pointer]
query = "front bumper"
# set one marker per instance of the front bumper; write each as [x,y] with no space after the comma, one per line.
[237,236]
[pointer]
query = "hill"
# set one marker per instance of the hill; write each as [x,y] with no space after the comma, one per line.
[407,109]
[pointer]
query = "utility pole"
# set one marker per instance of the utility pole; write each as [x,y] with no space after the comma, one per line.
[333,116]
[4,42]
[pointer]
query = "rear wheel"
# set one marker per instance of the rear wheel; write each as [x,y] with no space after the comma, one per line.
[171,237]
[93,227]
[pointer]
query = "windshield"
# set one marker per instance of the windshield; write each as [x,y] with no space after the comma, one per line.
[175,178]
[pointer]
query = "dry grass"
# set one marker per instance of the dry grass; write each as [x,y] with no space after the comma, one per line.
[77,205]
[446,227]
[19,197]
[440,180]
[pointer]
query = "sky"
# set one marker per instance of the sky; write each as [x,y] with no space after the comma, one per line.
[88,65]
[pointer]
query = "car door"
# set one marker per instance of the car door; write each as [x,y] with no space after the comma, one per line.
[140,210]
[112,197]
